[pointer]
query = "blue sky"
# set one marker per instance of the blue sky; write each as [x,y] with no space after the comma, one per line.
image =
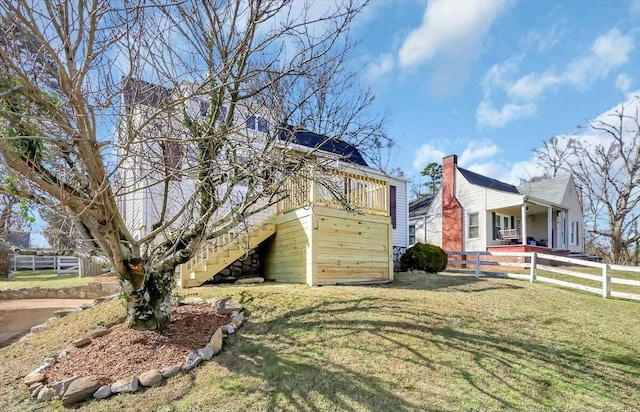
[489,80]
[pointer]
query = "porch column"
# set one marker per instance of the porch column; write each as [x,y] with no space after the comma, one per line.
[523,219]
[549,226]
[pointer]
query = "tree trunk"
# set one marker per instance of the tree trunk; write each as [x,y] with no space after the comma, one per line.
[147,294]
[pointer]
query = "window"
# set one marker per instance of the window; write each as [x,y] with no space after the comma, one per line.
[473,228]
[575,238]
[412,234]
[204,109]
[257,123]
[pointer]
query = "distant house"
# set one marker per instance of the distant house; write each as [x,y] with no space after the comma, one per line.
[472,212]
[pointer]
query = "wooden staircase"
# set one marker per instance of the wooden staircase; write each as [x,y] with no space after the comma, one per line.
[219,253]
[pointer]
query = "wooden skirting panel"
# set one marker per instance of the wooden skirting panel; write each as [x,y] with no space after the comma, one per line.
[349,247]
[324,245]
[288,253]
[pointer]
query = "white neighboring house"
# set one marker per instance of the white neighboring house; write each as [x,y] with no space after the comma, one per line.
[472,212]
[142,201]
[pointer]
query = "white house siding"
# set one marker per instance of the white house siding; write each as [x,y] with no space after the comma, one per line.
[572,202]
[428,228]
[401,231]
[477,199]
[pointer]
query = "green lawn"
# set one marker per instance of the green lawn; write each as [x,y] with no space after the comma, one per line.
[41,278]
[426,342]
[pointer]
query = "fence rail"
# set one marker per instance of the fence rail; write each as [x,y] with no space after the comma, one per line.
[474,261]
[62,264]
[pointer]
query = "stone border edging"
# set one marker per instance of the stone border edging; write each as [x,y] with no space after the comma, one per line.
[80,388]
[89,291]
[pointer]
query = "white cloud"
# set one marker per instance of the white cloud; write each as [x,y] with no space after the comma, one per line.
[531,86]
[425,155]
[623,83]
[608,52]
[477,150]
[377,69]
[487,115]
[452,28]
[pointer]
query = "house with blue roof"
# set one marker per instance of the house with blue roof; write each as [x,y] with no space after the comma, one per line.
[337,219]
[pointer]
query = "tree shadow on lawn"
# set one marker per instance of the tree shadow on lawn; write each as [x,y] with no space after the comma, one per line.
[444,282]
[503,372]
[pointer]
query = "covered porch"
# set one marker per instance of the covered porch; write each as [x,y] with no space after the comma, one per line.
[533,224]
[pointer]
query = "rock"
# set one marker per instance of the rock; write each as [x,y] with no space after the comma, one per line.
[32,378]
[35,387]
[60,387]
[171,371]
[63,312]
[80,389]
[99,332]
[129,384]
[38,328]
[63,354]
[205,353]
[150,378]
[227,306]
[79,343]
[250,280]
[215,343]
[45,394]
[192,300]
[48,362]
[237,318]
[228,329]
[192,361]
[103,392]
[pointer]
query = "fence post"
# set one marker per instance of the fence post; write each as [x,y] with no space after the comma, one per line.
[533,266]
[477,264]
[15,262]
[33,262]
[605,280]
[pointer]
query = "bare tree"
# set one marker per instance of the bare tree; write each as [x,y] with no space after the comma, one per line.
[606,166]
[554,156]
[208,140]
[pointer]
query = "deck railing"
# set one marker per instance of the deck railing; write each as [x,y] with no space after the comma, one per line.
[338,189]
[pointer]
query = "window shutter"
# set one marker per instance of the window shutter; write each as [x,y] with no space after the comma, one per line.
[513,222]
[493,224]
[392,205]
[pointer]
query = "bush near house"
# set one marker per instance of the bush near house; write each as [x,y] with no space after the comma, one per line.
[421,256]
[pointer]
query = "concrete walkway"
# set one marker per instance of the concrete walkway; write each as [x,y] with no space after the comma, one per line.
[19,315]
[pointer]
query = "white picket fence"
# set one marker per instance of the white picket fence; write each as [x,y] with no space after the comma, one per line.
[531,260]
[62,264]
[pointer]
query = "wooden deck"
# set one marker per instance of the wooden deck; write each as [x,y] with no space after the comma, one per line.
[318,239]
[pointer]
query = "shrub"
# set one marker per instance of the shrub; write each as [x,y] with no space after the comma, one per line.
[6,255]
[430,258]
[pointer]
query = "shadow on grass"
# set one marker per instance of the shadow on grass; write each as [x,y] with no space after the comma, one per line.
[290,353]
[439,281]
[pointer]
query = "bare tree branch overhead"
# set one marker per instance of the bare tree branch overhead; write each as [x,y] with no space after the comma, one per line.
[605,162]
[192,105]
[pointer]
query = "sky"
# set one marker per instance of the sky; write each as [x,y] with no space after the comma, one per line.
[490,80]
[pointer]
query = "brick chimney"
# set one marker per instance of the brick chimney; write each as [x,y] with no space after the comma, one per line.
[452,218]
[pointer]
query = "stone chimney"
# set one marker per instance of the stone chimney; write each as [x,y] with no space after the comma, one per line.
[452,217]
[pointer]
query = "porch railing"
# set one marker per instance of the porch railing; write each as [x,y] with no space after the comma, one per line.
[339,189]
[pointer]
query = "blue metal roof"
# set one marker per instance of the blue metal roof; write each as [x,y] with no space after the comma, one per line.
[317,141]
